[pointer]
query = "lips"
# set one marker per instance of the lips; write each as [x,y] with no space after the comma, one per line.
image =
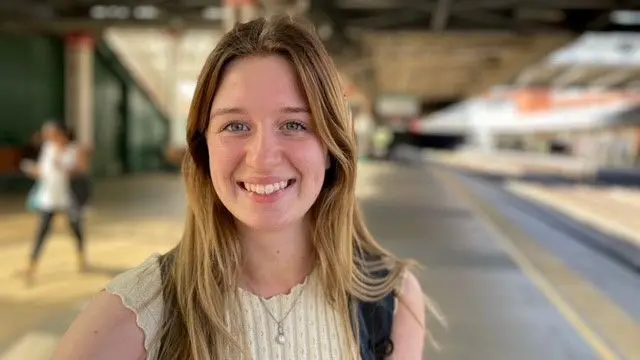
[266,189]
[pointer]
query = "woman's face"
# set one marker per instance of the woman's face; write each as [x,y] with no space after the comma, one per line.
[266,162]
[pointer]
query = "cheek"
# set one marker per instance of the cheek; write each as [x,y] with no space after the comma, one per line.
[311,161]
[220,152]
[221,161]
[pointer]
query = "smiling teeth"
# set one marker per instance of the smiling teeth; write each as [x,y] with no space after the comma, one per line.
[266,189]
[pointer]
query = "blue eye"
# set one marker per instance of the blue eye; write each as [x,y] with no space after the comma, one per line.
[294,126]
[236,127]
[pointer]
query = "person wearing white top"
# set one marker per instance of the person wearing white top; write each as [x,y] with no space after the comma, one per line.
[52,174]
[364,126]
[78,165]
[275,261]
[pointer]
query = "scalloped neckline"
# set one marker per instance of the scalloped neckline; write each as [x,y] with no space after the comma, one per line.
[280,297]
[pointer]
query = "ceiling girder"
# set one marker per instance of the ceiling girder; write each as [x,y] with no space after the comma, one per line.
[485,4]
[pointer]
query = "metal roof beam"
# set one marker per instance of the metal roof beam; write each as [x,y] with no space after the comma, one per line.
[613,78]
[441,15]
[572,75]
[464,5]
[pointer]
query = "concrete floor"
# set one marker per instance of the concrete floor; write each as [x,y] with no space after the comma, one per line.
[496,310]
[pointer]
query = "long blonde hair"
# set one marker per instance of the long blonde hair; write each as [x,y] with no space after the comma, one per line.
[200,289]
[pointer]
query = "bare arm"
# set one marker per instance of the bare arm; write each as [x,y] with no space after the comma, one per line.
[408,333]
[78,165]
[30,168]
[33,173]
[82,160]
[106,329]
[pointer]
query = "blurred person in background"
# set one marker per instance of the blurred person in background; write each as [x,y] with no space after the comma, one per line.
[79,167]
[364,126]
[382,139]
[32,150]
[52,193]
[275,260]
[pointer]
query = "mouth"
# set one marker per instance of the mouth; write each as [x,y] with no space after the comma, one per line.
[266,189]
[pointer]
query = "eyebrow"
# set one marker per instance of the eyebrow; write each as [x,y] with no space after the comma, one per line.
[237,110]
[295,109]
[225,111]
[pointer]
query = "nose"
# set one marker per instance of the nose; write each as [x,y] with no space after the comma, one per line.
[264,151]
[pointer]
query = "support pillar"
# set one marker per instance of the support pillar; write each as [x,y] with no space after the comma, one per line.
[79,52]
[171,87]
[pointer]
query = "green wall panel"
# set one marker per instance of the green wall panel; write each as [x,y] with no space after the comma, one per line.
[147,135]
[144,129]
[31,85]
[108,120]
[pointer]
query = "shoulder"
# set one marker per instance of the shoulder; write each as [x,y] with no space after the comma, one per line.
[138,281]
[410,294]
[140,291]
[46,149]
[105,329]
[73,149]
[121,321]
[409,299]
[47,146]
[409,327]
[79,148]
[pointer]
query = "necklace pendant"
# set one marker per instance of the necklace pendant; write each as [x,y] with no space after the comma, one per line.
[280,338]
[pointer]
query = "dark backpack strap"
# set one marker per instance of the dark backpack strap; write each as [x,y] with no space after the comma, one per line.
[375,322]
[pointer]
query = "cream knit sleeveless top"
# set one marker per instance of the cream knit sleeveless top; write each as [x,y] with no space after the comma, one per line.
[313,329]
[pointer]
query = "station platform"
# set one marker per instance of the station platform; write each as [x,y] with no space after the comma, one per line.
[516,163]
[604,200]
[610,209]
[540,166]
[510,285]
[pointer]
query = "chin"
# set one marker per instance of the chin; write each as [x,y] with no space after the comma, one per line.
[267,222]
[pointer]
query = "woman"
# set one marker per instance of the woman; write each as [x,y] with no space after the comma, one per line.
[79,176]
[52,173]
[275,261]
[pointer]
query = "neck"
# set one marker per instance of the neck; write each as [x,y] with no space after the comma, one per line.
[276,261]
